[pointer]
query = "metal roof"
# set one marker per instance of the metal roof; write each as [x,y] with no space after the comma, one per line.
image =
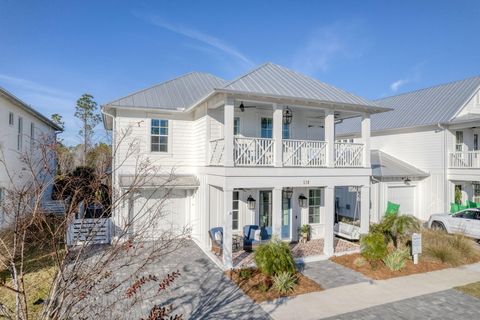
[429,106]
[176,94]
[29,109]
[387,166]
[272,79]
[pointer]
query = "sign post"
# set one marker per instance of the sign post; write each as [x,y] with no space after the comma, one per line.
[416,246]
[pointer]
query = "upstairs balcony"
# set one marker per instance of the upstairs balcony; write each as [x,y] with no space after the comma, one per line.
[259,152]
[464,160]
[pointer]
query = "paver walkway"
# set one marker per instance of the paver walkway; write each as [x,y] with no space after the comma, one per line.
[330,274]
[449,304]
[359,296]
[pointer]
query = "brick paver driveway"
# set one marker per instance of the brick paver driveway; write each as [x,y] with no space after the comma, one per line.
[449,304]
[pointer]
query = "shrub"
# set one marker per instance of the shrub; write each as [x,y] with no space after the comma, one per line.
[263,287]
[274,257]
[452,249]
[245,273]
[396,259]
[359,262]
[443,253]
[284,282]
[397,227]
[373,247]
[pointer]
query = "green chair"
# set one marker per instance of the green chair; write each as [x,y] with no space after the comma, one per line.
[454,207]
[472,204]
[392,209]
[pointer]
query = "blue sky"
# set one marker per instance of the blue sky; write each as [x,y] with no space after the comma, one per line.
[53,51]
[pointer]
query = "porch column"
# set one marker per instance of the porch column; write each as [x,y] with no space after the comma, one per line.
[366,140]
[227,228]
[277,211]
[330,137]
[364,209]
[328,245]
[228,132]
[277,135]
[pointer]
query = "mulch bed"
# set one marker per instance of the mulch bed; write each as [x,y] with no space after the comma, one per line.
[251,285]
[381,271]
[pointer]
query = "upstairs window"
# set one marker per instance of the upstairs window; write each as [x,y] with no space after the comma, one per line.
[20,133]
[458,141]
[159,135]
[236,126]
[266,127]
[475,141]
[10,119]
[286,131]
[32,136]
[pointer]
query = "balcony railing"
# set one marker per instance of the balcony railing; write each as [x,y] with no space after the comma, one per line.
[259,152]
[304,153]
[348,155]
[464,159]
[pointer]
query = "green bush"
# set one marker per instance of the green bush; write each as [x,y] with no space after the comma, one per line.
[245,273]
[274,257]
[397,259]
[398,227]
[373,247]
[284,282]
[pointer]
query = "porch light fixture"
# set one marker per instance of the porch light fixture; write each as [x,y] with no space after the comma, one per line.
[242,107]
[302,201]
[251,202]
[288,192]
[287,115]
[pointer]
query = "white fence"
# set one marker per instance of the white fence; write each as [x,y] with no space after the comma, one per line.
[467,159]
[253,152]
[89,231]
[217,150]
[304,153]
[348,155]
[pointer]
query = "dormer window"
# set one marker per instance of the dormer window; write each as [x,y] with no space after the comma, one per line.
[10,119]
[159,135]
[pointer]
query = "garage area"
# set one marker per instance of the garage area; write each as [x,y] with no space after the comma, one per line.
[404,196]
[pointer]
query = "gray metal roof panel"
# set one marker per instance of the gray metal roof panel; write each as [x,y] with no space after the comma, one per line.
[438,104]
[273,79]
[178,93]
[387,166]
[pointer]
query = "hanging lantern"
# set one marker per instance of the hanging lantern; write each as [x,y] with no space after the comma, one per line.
[287,115]
[251,202]
[288,192]
[302,201]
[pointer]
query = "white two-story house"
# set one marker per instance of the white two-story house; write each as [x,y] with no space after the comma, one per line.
[424,149]
[258,150]
[22,129]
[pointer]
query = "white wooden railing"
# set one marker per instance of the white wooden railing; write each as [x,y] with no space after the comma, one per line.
[467,159]
[304,153]
[348,154]
[253,152]
[90,231]
[217,150]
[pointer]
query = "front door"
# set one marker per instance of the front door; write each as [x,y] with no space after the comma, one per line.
[286,216]
[265,209]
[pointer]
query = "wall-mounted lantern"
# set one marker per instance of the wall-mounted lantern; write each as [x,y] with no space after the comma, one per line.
[302,201]
[287,115]
[251,202]
[288,192]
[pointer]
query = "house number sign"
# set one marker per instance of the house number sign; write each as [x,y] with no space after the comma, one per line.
[416,246]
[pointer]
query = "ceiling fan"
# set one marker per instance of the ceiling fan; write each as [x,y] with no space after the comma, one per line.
[243,107]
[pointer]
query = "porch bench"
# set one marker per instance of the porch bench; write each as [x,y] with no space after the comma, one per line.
[249,241]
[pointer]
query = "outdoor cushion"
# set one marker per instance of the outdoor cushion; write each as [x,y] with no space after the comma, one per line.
[392,208]
[257,235]
[213,233]
[218,236]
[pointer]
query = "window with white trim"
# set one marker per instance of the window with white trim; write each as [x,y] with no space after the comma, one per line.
[314,203]
[32,136]
[475,141]
[476,192]
[236,126]
[286,131]
[159,135]
[458,141]
[235,210]
[11,119]
[266,128]
[20,133]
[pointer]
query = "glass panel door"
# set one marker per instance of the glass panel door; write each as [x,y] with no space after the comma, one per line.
[286,212]
[265,213]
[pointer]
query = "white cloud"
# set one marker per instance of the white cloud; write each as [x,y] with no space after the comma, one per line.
[413,76]
[397,84]
[204,38]
[329,43]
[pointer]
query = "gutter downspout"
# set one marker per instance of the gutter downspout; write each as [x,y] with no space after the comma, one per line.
[444,166]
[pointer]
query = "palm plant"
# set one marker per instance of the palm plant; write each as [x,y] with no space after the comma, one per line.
[396,227]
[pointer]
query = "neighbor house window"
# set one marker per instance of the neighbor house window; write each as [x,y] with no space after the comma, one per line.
[475,141]
[286,131]
[236,126]
[314,204]
[32,136]
[476,192]
[10,118]
[235,205]
[267,127]
[159,135]
[20,133]
[459,141]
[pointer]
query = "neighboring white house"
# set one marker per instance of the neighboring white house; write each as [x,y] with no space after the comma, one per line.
[21,129]
[229,143]
[424,148]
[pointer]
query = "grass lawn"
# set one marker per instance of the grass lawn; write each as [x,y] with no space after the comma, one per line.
[38,278]
[472,289]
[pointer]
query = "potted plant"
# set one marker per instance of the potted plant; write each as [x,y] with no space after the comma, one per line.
[304,233]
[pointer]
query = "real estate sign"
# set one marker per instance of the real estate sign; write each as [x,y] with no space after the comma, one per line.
[416,246]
